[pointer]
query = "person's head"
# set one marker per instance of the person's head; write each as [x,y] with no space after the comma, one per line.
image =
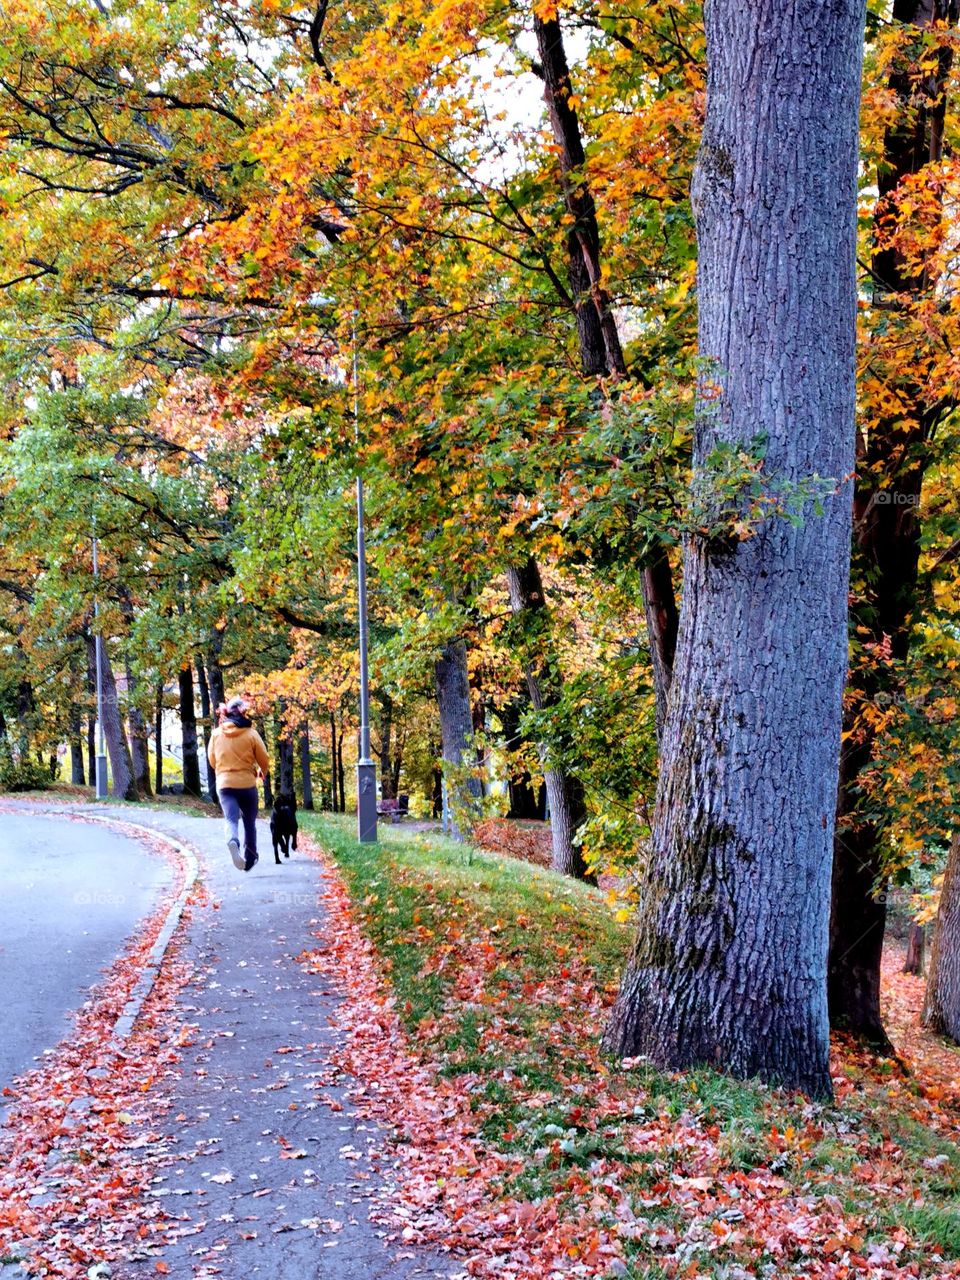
[236,711]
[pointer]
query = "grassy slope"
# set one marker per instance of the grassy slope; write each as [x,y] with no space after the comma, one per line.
[502,974]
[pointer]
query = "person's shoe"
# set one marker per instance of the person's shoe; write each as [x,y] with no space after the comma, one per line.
[251,862]
[236,855]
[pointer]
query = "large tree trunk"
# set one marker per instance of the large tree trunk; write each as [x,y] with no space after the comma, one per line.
[564,792]
[452,684]
[118,749]
[941,1009]
[886,546]
[601,352]
[729,964]
[188,726]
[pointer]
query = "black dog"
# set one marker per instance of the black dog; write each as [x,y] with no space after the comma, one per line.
[283,825]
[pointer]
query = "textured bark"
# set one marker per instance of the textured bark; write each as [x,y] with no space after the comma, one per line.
[564,792]
[188,729]
[601,352]
[941,1010]
[118,749]
[886,551]
[452,684]
[306,781]
[916,946]
[729,964]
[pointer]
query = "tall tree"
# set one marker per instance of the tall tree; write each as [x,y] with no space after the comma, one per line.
[894,454]
[452,684]
[188,730]
[601,351]
[118,749]
[729,964]
[564,791]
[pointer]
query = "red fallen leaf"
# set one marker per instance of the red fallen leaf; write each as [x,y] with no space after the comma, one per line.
[107,1173]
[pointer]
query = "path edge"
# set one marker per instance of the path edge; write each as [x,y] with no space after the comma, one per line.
[131,1011]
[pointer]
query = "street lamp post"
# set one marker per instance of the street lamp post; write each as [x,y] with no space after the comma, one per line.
[101,769]
[366,769]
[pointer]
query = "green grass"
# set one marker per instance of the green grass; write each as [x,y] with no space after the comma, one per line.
[937,1225]
[441,912]
[410,882]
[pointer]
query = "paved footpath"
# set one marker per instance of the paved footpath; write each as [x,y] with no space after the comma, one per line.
[247,1097]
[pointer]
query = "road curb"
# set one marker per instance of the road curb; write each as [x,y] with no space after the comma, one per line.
[126,1020]
[144,985]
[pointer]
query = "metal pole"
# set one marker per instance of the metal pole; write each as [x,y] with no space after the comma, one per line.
[101,770]
[366,769]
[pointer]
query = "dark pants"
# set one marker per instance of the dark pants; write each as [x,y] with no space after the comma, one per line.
[240,802]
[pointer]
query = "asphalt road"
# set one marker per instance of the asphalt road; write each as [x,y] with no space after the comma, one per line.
[72,893]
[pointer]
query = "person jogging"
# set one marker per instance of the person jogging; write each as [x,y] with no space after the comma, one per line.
[238,756]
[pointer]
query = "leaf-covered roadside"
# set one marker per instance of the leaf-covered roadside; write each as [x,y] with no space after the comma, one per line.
[478,988]
[73,1178]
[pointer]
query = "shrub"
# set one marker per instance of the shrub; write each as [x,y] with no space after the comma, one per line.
[18,772]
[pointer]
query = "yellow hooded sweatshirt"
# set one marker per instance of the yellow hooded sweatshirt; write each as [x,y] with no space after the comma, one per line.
[235,754]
